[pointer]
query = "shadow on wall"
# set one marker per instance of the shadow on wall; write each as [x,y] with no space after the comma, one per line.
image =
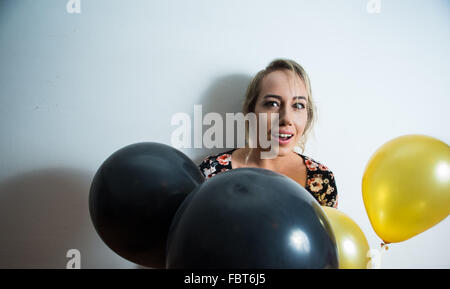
[44,213]
[225,95]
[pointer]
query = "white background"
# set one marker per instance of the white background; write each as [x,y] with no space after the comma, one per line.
[74,88]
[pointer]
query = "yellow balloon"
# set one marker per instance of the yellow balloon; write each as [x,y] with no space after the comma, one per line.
[351,242]
[406,187]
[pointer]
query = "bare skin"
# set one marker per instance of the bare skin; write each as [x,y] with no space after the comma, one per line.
[284,93]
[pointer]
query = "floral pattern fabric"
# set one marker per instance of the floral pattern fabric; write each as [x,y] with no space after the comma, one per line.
[320,180]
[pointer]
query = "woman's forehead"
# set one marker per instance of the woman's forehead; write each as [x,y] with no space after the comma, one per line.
[283,82]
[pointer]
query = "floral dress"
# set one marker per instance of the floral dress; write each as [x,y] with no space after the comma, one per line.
[319,180]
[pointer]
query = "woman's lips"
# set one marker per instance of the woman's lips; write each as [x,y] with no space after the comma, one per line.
[283,141]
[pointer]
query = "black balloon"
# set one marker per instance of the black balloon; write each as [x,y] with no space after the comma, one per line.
[251,218]
[134,196]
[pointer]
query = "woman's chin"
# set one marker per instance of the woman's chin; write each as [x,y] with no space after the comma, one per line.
[284,150]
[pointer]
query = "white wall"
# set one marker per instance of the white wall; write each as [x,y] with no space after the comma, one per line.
[76,87]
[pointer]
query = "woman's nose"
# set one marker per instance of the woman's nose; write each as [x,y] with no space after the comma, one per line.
[285,117]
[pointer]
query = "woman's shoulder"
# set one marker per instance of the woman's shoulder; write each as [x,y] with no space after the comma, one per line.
[216,163]
[221,158]
[321,182]
[314,166]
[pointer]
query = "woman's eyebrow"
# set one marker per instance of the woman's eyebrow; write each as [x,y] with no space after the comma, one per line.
[279,97]
[300,97]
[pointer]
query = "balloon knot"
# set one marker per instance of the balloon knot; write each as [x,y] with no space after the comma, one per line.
[385,246]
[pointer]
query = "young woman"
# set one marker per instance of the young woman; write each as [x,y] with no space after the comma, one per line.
[283,87]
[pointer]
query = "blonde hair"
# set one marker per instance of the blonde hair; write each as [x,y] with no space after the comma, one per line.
[254,89]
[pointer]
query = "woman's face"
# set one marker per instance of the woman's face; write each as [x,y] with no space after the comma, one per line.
[284,92]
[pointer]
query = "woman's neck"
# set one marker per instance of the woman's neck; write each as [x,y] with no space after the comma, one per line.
[275,164]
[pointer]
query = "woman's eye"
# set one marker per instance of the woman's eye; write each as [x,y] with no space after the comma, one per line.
[271,104]
[299,105]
